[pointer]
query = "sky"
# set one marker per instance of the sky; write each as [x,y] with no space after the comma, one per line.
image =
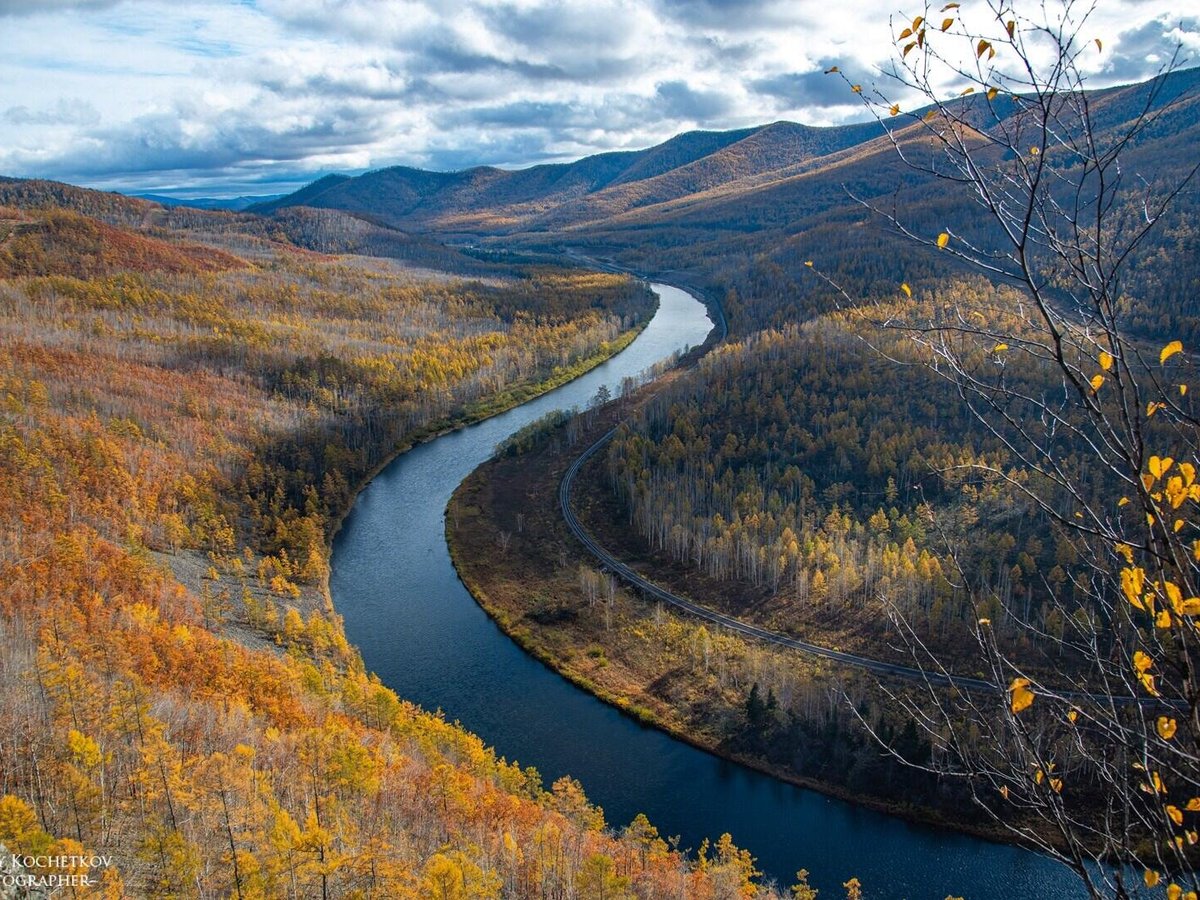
[208,98]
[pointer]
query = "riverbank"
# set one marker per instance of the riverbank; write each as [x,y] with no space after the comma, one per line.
[524,568]
[420,630]
[205,577]
[485,408]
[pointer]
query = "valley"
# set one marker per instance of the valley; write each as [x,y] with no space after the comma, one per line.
[308,587]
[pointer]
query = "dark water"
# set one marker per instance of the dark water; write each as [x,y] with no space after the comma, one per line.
[420,630]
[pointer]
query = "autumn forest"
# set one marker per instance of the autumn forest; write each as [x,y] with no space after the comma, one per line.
[915,526]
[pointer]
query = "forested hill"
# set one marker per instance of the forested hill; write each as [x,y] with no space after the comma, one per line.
[491,200]
[187,400]
[740,211]
[699,173]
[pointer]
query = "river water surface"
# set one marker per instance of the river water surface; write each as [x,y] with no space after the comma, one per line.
[420,630]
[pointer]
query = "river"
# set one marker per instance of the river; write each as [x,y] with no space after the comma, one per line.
[419,629]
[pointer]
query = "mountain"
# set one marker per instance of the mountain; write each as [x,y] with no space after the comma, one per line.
[234,204]
[704,203]
[490,200]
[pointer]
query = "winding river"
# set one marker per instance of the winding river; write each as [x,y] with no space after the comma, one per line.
[419,629]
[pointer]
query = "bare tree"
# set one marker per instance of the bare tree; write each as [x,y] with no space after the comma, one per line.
[1091,753]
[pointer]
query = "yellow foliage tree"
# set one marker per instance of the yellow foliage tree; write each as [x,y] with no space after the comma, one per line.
[1101,742]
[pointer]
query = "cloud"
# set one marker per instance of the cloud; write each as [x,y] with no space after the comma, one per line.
[65,112]
[800,89]
[209,144]
[157,92]
[732,15]
[680,102]
[15,8]
[1141,51]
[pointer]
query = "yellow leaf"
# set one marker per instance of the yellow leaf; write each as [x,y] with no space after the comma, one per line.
[1004,791]
[1193,805]
[907,32]
[1159,465]
[985,621]
[831,70]
[1182,389]
[1034,151]
[1174,595]
[1056,785]
[1072,715]
[1147,681]
[917,22]
[857,88]
[894,110]
[1170,350]
[1099,45]
[1166,727]
[907,290]
[908,47]
[1133,582]
[981,48]
[1096,381]
[1163,619]
[1178,526]
[946,23]
[1022,697]
[1000,348]
[1011,27]
[969,90]
[1175,814]
[1124,501]
[943,239]
[808,263]
[1154,406]
[1106,360]
[1174,892]
[1188,471]
[1141,661]
[948,6]
[1150,877]
[992,92]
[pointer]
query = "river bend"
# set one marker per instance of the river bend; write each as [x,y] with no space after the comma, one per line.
[419,629]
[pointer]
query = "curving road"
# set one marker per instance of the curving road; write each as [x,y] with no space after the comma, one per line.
[878,666]
[422,632]
[703,612]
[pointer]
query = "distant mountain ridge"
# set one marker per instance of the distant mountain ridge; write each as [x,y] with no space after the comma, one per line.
[488,200]
[749,178]
[234,204]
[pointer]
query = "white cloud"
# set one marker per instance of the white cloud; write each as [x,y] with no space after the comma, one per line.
[240,95]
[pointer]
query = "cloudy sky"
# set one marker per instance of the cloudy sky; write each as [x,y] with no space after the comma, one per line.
[208,98]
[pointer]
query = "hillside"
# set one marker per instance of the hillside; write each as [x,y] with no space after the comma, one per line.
[739,212]
[60,242]
[181,427]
